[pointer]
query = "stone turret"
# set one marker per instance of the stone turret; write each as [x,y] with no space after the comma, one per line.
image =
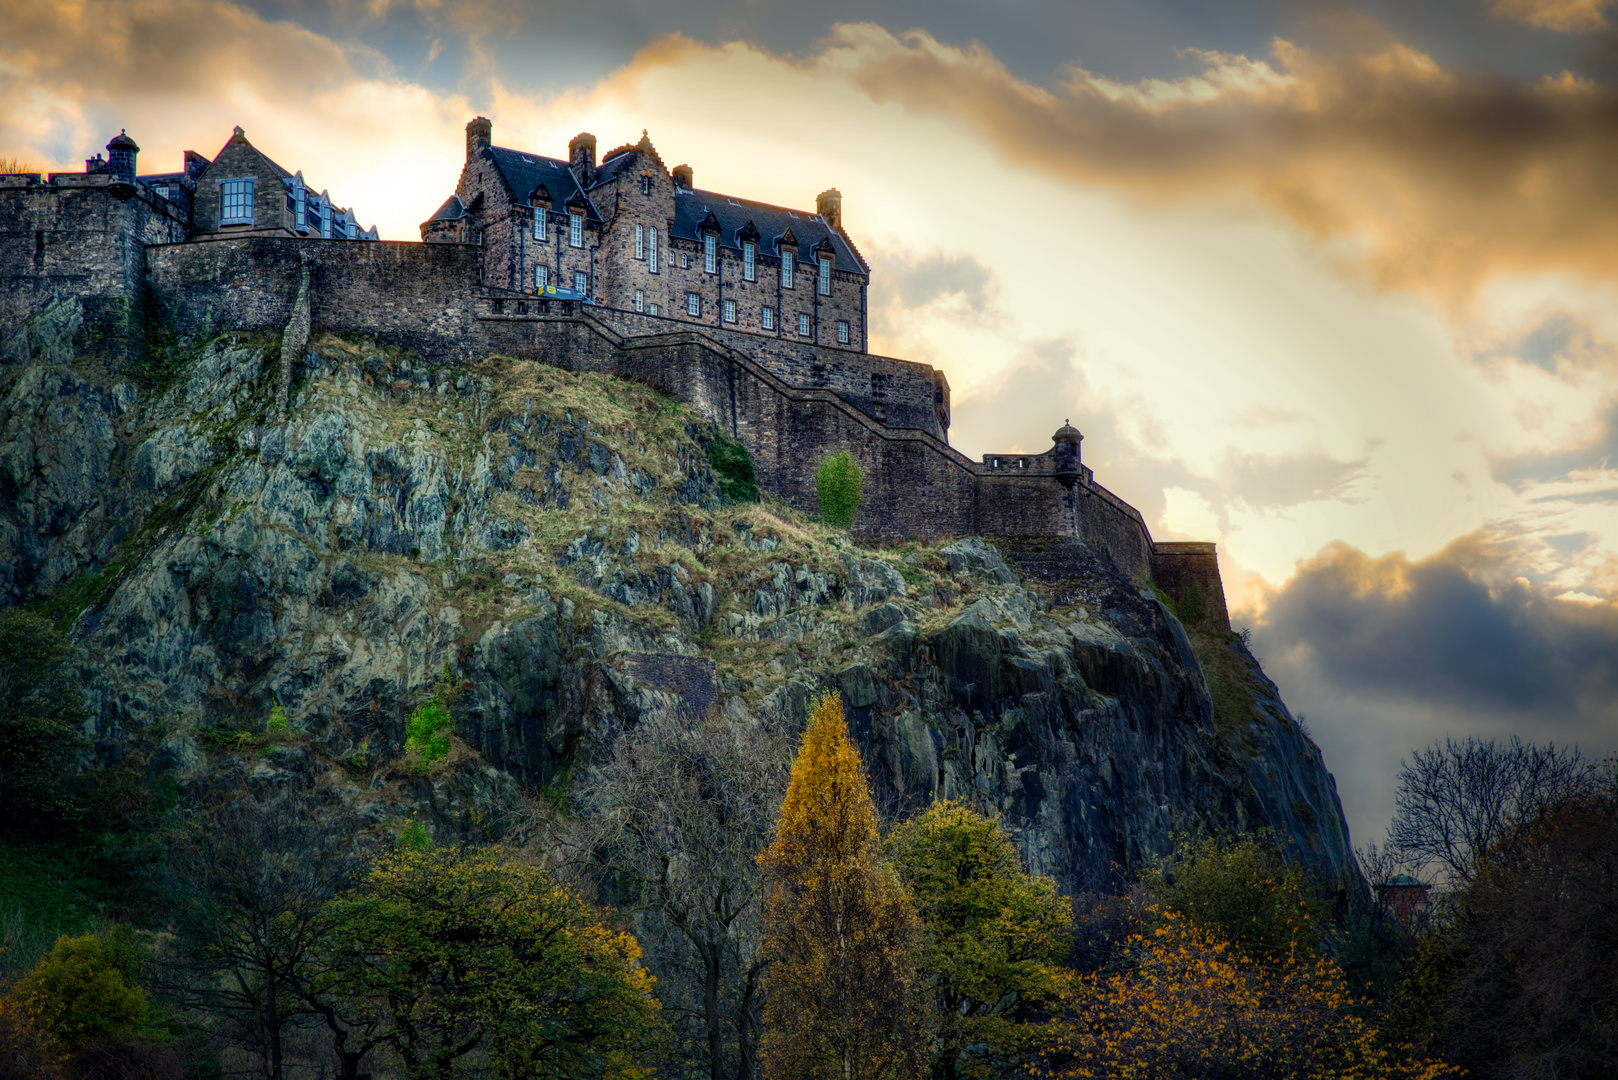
[682,177]
[121,153]
[1066,451]
[479,133]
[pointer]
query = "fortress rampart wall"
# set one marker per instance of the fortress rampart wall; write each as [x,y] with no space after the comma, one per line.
[427,298]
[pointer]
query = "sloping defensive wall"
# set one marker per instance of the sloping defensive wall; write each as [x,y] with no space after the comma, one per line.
[428,298]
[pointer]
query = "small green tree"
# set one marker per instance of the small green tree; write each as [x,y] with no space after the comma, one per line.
[837,488]
[1245,890]
[992,938]
[41,709]
[88,986]
[428,731]
[465,954]
[733,465]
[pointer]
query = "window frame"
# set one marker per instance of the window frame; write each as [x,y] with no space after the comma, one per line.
[542,277]
[788,258]
[581,283]
[693,305]
[804,329]
[651,249]
[539,224]
[575,229]
[241,196]
[730,310]
[843,336]
[766,317]
[823,282]
[710,253]
[640,301]
[654,310]
[749,261]
[640,241]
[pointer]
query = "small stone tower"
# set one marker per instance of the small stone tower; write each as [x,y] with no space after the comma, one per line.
[682,177]
[121,153]
[1066,450]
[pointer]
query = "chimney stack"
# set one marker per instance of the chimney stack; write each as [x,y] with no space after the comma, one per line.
[581,158]
[682,177]
[829,205]
[195,164]
[478,133]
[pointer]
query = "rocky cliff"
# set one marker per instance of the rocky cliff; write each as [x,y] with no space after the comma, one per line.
[551,556]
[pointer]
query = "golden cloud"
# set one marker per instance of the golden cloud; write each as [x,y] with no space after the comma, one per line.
[1567,16]
[1427,178]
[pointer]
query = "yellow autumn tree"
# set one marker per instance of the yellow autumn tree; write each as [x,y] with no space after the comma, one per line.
[1192,1004]
[839,929]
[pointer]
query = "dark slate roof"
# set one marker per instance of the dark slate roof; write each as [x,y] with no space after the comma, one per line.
[691,208]
[452,210]
[524,172]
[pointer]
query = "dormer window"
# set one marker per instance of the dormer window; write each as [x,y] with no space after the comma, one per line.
[640,241]
[575,229]
[539,223]
[825,275]
[710,253]
[788,258]
[748,249]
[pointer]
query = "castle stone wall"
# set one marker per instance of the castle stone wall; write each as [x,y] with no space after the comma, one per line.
[1179,567]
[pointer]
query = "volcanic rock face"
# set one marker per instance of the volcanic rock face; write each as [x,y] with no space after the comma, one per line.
[548,554]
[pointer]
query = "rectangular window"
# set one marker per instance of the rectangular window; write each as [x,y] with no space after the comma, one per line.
[575,229]
[842,331]
[685,261]
[768,318]
[788,259]
[581,282]
[652,310]
[640,300]
[803,325]
[640,241]
[825,277]
[542,278]
[292,203]
[747,260]
[693,304]
[730,311]
[236,202]
[651,250]
[539,224]
[710,253]
[301,209]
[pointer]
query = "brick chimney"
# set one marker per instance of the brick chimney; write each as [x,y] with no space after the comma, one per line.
[581,158]
[195,164]
[829,205]
[478,133]
[682,177]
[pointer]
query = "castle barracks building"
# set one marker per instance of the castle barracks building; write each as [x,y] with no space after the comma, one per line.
[754,315]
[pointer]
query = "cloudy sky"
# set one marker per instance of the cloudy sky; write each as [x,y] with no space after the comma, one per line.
[1331,283]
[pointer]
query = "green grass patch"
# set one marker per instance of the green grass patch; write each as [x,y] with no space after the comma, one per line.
[41,898]
[1231,682]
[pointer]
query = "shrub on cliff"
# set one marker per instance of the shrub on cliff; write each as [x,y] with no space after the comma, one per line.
[733,465]
[837,489]
[428,732]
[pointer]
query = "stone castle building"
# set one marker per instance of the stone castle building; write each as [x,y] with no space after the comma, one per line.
[754,315]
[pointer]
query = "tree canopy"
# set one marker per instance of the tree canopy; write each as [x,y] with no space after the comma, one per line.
[992,937]
[838,927]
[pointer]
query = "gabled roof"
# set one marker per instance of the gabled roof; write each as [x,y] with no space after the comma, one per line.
[523,173]
[693,208]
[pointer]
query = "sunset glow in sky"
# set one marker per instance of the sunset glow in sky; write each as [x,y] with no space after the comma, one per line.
[1333,284]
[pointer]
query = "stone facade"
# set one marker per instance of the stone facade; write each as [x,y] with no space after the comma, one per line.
[107,250]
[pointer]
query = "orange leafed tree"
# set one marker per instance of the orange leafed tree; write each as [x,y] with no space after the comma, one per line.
[1193,1005]
[839,929]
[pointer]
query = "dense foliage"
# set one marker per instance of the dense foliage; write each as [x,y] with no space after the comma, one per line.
[838,484]
[839,929]
[41,709]
[733,466]
[992,938]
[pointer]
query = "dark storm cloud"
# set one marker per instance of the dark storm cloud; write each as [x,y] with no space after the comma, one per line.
[1456,631]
